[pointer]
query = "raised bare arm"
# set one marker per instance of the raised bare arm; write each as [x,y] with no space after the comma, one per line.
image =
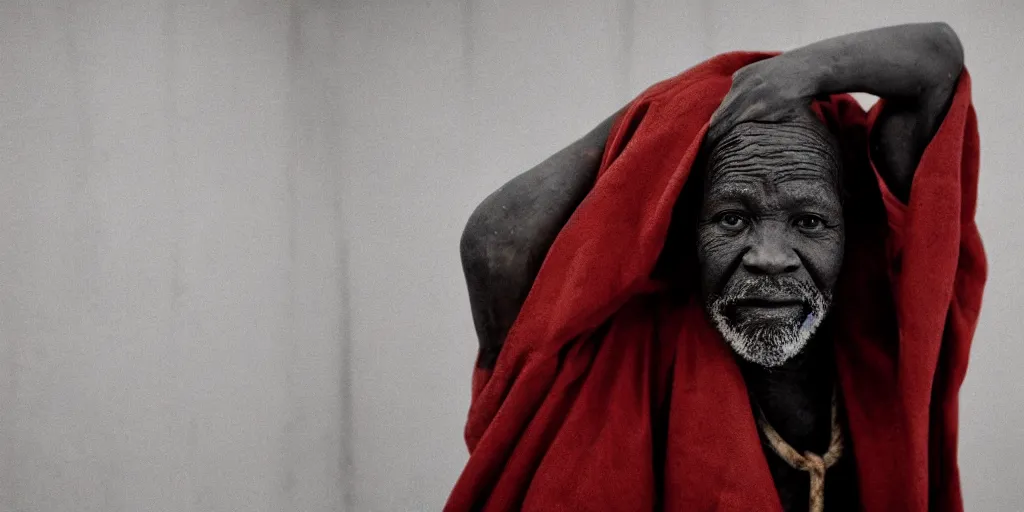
[914,67]
[509,234]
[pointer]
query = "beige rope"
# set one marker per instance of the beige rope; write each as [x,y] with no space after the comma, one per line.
[808,461]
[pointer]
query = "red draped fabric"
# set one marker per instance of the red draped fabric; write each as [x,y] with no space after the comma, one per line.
[613,392]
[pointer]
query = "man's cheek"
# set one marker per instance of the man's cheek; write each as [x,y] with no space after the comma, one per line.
[825,260]
[715,255]
[712,245]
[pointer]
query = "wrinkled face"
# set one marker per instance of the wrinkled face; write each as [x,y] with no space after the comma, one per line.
[770,236]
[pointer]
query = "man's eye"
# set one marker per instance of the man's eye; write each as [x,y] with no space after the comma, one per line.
[810,222]
[731,220]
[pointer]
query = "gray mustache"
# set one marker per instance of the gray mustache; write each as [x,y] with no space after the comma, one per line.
[771,289]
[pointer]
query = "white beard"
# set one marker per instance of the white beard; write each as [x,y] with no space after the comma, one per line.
[769,344]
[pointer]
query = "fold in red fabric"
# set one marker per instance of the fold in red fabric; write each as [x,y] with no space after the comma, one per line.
[613,392]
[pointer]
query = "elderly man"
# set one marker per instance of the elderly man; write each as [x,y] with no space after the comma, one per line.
[756,302]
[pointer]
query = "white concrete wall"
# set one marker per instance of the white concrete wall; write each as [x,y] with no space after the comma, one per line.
[170,256]
[229,273]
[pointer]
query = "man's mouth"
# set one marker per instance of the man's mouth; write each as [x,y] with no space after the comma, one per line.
[768,308]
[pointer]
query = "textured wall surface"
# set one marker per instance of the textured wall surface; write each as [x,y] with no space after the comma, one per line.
[229,274]
[170,257]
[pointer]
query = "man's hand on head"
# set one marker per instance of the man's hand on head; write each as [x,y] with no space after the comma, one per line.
[769,91]
[915,68]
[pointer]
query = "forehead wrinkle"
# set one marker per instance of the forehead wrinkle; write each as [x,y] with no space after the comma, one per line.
[796,127]
[756,155]
[799,142]
[785,172]
[755,192]
[811,188]
[776,150]
[775,177]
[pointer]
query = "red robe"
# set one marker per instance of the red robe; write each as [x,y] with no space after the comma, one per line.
[613,392]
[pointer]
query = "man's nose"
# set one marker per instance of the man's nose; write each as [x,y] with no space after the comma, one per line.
[770,255]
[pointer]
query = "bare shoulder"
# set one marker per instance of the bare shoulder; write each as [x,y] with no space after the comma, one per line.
[498,249]
[508,235]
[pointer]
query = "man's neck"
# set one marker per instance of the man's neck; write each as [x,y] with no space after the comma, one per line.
[796,397]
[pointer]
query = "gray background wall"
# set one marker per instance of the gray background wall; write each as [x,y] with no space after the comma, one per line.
[229,272]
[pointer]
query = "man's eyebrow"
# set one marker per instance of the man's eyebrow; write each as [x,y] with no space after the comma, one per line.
[810,200]
[731,192]
[814,196]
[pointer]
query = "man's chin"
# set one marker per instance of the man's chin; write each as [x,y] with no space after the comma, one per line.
[765,339]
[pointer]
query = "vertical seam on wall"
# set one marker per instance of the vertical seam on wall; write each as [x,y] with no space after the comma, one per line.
[625,58]
[346,456]
[86,134]
[469,142]
[709,28]
[290,344]
[466,32]
[172,120]
[345,335]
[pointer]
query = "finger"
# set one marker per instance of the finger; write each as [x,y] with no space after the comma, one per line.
[719,112]
[714,125]
[717,129]
[728,120]
[753,112]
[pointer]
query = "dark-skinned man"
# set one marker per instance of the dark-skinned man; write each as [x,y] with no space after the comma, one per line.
[788,240]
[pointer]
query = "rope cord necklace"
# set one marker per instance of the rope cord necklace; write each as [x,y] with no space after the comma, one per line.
[808,461]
